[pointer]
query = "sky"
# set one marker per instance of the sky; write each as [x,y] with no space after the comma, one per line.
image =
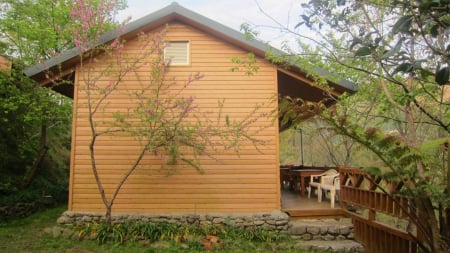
[231,13]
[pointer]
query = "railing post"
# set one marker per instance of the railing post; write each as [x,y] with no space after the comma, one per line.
[343,191]
[372,213]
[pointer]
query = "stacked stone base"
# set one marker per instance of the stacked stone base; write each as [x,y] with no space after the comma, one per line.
[325,229]
[274,221]
[325,234]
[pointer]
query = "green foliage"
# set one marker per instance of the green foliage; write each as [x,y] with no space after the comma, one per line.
[442,76]
[391,41]
[35,29]
[290,147]
[121,233]
[250,33]
[397,52]
[249,64]
[24,109]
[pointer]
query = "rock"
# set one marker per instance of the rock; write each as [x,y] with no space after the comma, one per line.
[333,230]
[248,218]
[64,220]
[344,230]
[205,222]
[351,236]
[306,237]
[323,229]
[56,231]
[333,246]
[282,228]
[281,222]
[314,230]
[218,220]
[259,222]
[328,237]
[86,218]
[297,230]
[279,215]
[268,227]
[271,222]
[340,237]
[248,224]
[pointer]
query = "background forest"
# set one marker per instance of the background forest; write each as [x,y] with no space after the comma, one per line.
[35,121]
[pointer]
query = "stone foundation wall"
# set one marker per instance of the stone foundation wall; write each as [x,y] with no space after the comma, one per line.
[276,220]
[324,229]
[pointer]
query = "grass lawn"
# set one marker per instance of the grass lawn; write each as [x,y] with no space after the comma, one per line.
[27,235]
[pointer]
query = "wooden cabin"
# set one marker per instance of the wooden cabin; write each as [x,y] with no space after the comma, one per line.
[230,183]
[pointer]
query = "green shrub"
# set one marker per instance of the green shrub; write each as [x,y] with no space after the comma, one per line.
[134,231]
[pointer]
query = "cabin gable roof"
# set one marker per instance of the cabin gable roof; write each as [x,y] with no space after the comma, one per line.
[174,12]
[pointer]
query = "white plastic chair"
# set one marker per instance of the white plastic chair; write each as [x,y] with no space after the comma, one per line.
[332,184]
[326,177]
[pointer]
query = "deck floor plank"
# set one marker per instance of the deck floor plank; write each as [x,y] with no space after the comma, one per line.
[296,206]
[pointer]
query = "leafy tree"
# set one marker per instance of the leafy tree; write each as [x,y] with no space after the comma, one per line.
[401,49]
[36,135]
[35,120]
[36,30]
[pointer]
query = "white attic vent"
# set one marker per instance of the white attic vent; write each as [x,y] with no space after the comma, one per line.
[177,53]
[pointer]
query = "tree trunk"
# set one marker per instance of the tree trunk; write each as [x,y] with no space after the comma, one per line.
[108,214]
[430,225]
[30,175]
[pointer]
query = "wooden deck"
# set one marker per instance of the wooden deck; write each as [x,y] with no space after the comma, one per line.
[297,206]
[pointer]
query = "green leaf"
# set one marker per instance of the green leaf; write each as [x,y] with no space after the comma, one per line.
[355,42]
[375,171]
[442,76]
[405,67]
[363,51]
[426,5]
[403,24]
[393,51]
[431,147]
[434,31]
[417,64]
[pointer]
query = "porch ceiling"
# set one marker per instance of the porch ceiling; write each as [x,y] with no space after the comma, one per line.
[296,88]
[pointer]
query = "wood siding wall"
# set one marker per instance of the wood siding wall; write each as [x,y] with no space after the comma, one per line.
[231,184]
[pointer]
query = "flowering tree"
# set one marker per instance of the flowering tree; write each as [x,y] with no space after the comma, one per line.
[161,120]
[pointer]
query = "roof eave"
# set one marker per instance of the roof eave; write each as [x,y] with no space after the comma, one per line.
[174,12]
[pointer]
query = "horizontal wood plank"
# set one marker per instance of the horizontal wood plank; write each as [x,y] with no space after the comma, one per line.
[230,182]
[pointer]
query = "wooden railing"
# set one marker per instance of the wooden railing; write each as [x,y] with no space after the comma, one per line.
[373,211]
